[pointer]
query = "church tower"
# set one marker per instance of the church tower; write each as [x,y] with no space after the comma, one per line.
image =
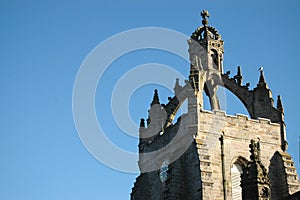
[209,154]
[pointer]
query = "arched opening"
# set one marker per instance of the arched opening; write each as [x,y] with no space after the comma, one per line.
[230,103]
[183,109]
[234,105]
[206,102]
[215,59]
[236,172]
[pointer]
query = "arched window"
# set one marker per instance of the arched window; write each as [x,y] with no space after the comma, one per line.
[236,172]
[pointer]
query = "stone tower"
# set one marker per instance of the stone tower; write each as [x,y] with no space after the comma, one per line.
[208,154]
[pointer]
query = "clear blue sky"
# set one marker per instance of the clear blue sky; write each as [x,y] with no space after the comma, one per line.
[43,44]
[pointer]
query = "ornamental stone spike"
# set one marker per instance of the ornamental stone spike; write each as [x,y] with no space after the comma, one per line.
[205,15]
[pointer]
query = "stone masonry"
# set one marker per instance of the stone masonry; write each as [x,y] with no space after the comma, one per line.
[199,155]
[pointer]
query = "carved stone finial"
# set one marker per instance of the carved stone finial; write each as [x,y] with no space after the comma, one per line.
[205,15]
[239,71]
[227,73]
[177,87]
[238,77]
[142,123]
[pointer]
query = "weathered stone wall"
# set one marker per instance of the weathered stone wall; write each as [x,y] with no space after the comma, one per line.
[183,181]
[237,132]
[202,146]
[198,173]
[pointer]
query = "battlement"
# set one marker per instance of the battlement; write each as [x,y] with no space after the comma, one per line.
[239,118]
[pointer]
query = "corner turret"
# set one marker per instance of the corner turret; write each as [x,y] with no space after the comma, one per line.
[206,57]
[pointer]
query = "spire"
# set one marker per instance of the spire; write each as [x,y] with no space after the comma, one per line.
[155,98]
[205,15]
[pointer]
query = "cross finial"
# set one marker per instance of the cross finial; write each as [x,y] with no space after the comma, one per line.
[204,15]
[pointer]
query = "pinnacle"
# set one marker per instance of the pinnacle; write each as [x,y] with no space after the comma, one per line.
[239,73]
[155,98]
[279,104]
[262,81]
[142,123]
[262,77]
[239,76]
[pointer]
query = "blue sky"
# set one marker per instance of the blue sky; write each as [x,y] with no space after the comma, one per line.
[43,44]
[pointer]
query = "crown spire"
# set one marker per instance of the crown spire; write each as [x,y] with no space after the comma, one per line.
[155,98]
